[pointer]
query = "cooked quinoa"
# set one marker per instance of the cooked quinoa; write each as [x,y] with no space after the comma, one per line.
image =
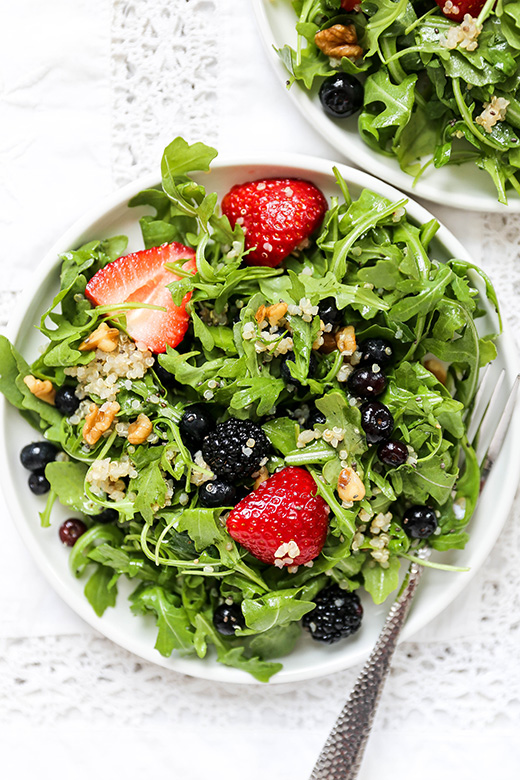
[493,112]
[101,376]
[464,36]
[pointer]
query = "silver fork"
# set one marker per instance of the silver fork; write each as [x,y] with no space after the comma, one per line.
[341,756]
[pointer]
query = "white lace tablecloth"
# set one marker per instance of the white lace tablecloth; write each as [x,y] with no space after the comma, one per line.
[90,92]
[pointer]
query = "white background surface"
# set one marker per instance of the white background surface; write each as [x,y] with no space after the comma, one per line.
[90,93]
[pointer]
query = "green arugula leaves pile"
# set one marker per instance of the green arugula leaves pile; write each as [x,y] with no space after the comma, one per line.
[385,277]
[422,99]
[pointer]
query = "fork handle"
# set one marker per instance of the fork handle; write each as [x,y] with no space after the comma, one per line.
[342,754]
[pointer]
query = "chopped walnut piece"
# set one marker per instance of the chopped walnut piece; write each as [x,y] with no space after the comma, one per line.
[329,343]
[346,340]
[99,420]
[350,485]
[42,389]
[139,430]
[263,475]
[260,314]
[104,338]
[276,312]
[436,368]
[339,41]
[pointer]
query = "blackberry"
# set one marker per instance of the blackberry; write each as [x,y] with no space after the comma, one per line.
[376,421]
[216,493]
[419,522]
[35,456]
[227,618]
[286,374]
[234,449]
[337,614]
[66,400]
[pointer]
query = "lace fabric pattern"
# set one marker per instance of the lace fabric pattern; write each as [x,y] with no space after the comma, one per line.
[164,79]
[164,82]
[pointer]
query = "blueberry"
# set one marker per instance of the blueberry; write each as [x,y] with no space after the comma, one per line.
[341,95]
[286,374]
[66,400]
[71,530]
[316,418]
[216,493]
[419,522]
[38,483]
[376,421]
[366,383]
[329,313]
[195,424]
[106,516]
[392,453]
[36,455]
[227,618]
[377,351]
[165,377]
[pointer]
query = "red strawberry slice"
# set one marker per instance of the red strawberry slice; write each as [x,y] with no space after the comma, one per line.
[350,5]
[457,9]
[283,521]
[277,216]
[142,277]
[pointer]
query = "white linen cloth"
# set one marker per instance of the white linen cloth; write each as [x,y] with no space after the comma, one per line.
[90,93]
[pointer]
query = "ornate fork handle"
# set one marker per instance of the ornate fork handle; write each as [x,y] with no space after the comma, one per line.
[343,751]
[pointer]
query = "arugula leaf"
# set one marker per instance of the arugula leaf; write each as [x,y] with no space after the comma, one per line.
[150,489]
[379,582]
[275,609]
[229,655]
[180,158]
[275,642]
[67,479]
[101,589]
[202,526]
[174,628]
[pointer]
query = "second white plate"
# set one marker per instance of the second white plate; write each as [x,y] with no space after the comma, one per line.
[463,187]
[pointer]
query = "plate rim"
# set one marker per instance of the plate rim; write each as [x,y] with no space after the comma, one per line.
[370,162]
[73,236]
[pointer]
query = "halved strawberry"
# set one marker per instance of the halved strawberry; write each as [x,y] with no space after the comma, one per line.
[284,521]
[277,216]
[142,277]
[350,5]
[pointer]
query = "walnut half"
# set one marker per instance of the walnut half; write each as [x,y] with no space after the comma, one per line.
[339,41]
[42,389]
[139,430]
[99,420]
[104,338]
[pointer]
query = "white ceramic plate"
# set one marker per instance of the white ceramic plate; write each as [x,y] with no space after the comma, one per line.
[463,187]
[137,634]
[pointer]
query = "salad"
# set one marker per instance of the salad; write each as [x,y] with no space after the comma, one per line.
[431,82]
[257,415]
